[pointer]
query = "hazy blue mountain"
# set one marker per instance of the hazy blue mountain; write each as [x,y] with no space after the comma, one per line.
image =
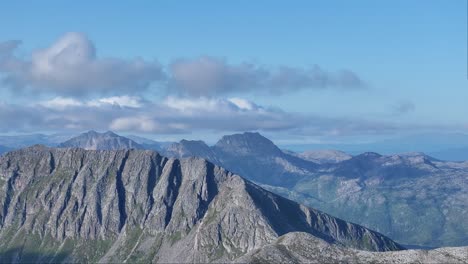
[115,206]
[149,143]
[324,156]
[21,141]
[450,146]
[414,199]
[93,140]
[258,159]
[191,148]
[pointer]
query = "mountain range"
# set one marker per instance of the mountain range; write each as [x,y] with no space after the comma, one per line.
[411,197]
[76,205]
[444,146]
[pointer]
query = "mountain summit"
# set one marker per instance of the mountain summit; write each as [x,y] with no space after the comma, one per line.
[93,140]
[247,143]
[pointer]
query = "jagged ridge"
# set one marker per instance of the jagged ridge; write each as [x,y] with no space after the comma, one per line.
[85,205]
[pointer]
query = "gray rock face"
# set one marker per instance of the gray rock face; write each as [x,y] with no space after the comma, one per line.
[411,197]
[137,206]
[93,140]
[303,248]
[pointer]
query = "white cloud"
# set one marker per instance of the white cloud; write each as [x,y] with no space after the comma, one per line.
[122,101]
[70,66]
[243,104]
[209,76]
[183,115]
[61,103]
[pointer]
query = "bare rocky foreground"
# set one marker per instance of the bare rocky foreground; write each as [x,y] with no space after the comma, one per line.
[69,205]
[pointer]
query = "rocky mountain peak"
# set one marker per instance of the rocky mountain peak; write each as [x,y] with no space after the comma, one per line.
[247,143]
[118,205]
[93,140]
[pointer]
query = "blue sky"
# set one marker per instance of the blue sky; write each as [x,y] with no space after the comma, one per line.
[410,58]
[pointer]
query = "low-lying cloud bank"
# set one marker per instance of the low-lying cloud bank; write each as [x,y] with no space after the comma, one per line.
[71,67]
[175,115]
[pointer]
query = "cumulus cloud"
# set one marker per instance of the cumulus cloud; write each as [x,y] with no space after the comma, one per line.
[70,66]
[208,76]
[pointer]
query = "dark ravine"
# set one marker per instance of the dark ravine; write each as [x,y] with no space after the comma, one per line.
[66,204]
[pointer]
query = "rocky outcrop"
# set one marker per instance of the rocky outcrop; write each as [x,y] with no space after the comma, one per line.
[303,248]
[132,205]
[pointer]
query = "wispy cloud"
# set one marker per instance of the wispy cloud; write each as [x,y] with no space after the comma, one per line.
[70,66]
[180,115]
[215,76]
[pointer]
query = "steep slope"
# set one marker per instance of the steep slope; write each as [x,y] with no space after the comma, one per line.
[412,198]
[93,140]
[303,248]
[137,206]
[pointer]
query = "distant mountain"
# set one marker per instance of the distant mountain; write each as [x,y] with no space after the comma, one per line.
[249,144]
[149,143]
[93,140]
[76,205]
[259,159]
[444,146]
[414,198]
[21,141]
[324,156]
[191,148]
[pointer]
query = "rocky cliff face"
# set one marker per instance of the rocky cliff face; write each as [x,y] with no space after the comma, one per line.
[137,206]
[411,197]
[93,140]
